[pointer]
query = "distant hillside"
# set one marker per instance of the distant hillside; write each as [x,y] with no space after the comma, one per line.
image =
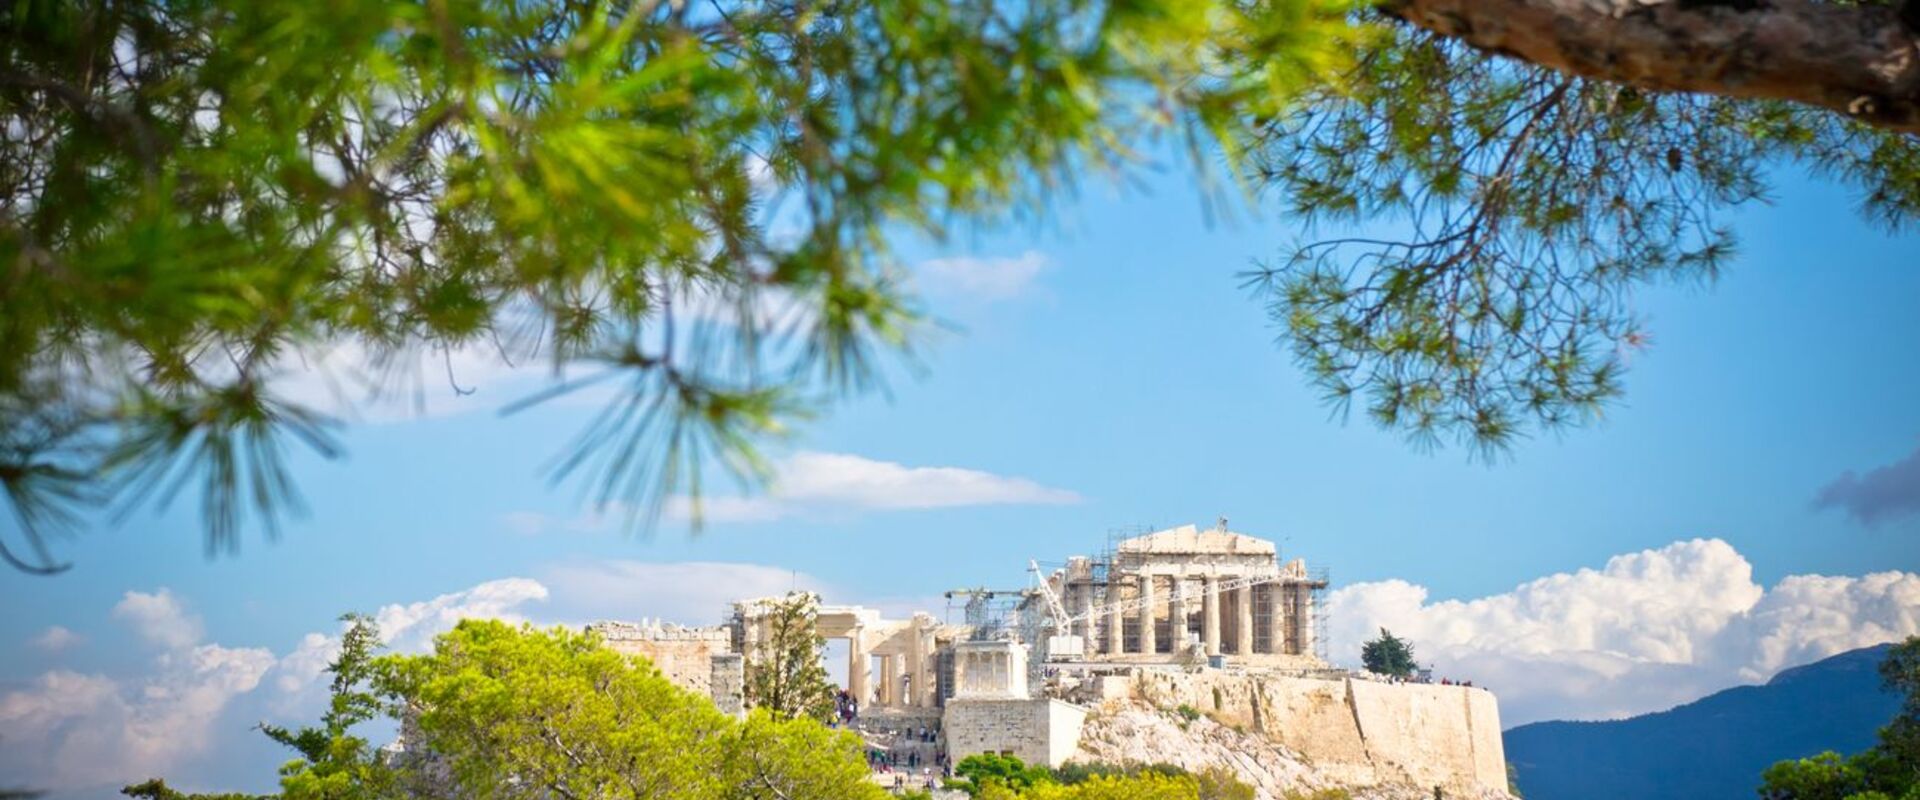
[1712,748]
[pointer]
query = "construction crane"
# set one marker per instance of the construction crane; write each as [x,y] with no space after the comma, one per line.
[1045,587]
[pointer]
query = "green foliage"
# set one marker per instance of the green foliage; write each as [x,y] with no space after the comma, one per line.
[335,764]
[1890,770]
[1389,655]
[498,711]
[983,771]
[1319,794]
[1145,786]
[1187,713]
[785,675]
[688,201]
[691,203]
[1074,772]
[1525,207]
[157,789]
[1220,783]
[1214,783]
[507,710]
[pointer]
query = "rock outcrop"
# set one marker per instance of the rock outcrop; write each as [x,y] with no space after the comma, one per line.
[1135,732]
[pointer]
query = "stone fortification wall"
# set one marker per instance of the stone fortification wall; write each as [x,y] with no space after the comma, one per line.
[684,654]
[728,686]
[1362,732]
[1037,731]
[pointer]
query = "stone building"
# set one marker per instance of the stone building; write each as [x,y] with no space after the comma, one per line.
[701,660]
[1155,596]
[1206,618]
[1164,598]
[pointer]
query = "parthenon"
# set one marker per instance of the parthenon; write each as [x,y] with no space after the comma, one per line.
[1161,592]
[1017,673]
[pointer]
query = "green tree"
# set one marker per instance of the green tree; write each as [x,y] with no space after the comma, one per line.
[983,771]
[157,789]
[691,202]
[1890,770]
[498,711]
[1143,786]
[334,762]
[688,201]
[504,711]
[1222,783]
[1495,215]
[784,669]
[1389,655]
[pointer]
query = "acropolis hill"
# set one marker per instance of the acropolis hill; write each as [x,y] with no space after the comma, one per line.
[1089,662]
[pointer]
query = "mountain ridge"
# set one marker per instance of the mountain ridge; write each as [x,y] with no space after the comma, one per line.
[1713,747]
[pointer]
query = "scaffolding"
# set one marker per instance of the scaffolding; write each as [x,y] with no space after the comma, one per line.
[1282,622]
[986,611]
[1321,578]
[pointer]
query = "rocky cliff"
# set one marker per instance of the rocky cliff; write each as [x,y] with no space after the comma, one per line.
[1303,734]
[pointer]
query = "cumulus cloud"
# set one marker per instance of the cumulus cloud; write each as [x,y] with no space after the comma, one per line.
[159,618]
[984,278]
[412,626]
[813,483]
[82,732]
[56,638]
[1884,493]
[1645,632]
[68,729]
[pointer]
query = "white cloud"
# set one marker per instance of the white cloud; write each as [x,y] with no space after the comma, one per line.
[73,730]
[56,638]
[1645,632]
[347,380]
[688,592]
[412,626]
[159,618]
[302,667]
[812,483]
[985,278]
[849,480]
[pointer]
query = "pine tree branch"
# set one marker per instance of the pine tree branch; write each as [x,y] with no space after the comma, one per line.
[1862,61]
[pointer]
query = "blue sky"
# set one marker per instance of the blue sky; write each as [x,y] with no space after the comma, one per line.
[1110,362]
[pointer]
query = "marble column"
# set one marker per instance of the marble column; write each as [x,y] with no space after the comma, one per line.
[1116,619]
[858,665]
[917,653]
[1243,621]
[1273,616]
[1081,595]
[1306,621]
[1147,643]
[1210,613]
[1177,615]
[887,682]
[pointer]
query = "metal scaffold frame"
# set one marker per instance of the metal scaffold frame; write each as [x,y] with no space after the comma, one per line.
[1322,577]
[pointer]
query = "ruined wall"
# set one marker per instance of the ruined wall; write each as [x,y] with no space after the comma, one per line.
[1363,732]
[685,655]
[1038,731]
[728,685]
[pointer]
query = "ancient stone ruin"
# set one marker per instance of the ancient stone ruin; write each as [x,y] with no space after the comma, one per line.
[1204,621]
